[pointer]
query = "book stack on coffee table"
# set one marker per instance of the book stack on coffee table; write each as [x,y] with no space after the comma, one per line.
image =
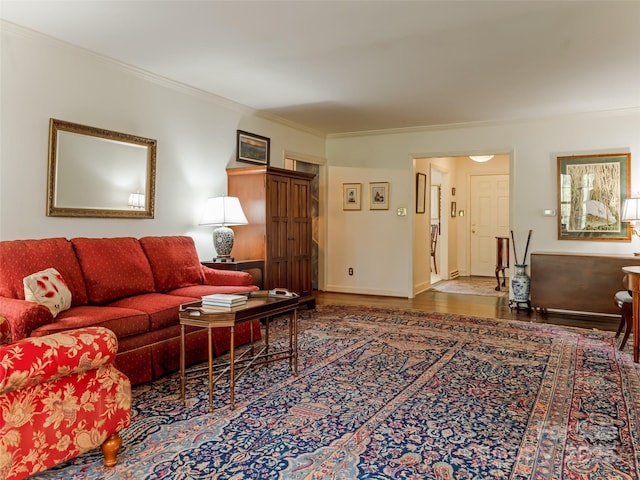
[224,300]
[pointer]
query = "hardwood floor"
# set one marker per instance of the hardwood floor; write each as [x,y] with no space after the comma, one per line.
[476,305]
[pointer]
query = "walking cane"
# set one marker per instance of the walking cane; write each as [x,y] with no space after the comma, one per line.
[527,247]
[515,254]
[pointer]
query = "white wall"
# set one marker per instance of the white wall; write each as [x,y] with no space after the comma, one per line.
[196,133]
[533,147]
[41,78]
[369,241]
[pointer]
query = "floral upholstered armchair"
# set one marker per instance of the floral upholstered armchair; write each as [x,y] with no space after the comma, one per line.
[60,396]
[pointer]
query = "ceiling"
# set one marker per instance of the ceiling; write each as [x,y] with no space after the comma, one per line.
[348,66]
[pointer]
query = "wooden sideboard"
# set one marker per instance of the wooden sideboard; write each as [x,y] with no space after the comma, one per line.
[577,282]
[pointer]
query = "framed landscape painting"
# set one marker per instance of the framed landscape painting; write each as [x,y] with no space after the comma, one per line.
[252,148]
[591,191]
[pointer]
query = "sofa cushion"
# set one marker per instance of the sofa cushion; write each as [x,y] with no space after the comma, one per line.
[21,258]
[174,261]
[122,321]
[162,309]
[48,288]
[113,267]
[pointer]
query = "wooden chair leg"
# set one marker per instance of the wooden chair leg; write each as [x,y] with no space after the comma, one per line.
[110,449]
[620,325]
[627,319]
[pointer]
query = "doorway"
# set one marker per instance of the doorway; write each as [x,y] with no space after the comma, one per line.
[316,207]
[458,205]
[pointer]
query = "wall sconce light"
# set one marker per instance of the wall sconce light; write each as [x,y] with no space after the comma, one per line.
[480,158]
[223,212]
[136,200]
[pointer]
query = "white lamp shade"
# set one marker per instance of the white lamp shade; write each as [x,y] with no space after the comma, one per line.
[136,200]
[631,210]
[223,211]
[481,158]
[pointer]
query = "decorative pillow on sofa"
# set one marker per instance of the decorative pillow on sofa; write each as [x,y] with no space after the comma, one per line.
[174,261]
[113,267]
[48,288]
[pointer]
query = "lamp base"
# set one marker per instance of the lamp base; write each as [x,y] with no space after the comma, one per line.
[223,259]
[223,241]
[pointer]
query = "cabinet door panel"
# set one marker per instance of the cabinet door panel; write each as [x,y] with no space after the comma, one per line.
[278,232]
[301,234]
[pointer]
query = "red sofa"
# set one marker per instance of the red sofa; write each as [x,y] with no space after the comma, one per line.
[131,286]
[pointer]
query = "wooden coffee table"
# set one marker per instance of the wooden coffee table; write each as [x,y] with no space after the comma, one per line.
[259,305]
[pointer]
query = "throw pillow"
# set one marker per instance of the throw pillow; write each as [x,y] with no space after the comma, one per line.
[48,288]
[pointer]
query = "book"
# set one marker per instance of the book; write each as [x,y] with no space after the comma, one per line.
[224,300]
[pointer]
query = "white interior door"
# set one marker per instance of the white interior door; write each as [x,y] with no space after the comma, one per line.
[489,218]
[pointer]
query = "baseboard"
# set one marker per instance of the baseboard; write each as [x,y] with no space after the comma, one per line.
[364,291]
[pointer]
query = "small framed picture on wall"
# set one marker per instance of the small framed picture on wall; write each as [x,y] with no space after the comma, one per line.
[379,196]
[252,148]
[351,196]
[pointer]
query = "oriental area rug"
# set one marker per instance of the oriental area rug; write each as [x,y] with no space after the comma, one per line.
[398,395]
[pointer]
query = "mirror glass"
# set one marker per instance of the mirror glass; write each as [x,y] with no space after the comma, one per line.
[99,173]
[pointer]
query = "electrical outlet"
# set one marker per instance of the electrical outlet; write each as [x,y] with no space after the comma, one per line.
[350,271]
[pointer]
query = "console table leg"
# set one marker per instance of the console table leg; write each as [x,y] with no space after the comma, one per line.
[210,372]
[183,378]
[295,342]
[232,373]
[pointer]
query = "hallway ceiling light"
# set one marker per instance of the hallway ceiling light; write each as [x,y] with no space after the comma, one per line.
[481,158]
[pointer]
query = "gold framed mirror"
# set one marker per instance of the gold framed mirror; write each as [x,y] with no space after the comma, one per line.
[99,173]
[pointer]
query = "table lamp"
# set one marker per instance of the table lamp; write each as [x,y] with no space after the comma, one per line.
[223,212]
[631,214]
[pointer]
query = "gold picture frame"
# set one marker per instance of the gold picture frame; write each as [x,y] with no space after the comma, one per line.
[591,191]
[379,196]
[351,196]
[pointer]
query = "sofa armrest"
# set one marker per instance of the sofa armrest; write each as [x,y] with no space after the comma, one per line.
[226,277]
[23,316]
[37,360]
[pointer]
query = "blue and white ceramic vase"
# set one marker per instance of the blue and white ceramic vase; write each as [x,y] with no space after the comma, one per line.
[521,284]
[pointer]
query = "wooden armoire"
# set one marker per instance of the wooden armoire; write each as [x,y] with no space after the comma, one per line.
[277,203]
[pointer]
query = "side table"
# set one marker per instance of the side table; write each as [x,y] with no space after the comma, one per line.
[249,266]
[259,305]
